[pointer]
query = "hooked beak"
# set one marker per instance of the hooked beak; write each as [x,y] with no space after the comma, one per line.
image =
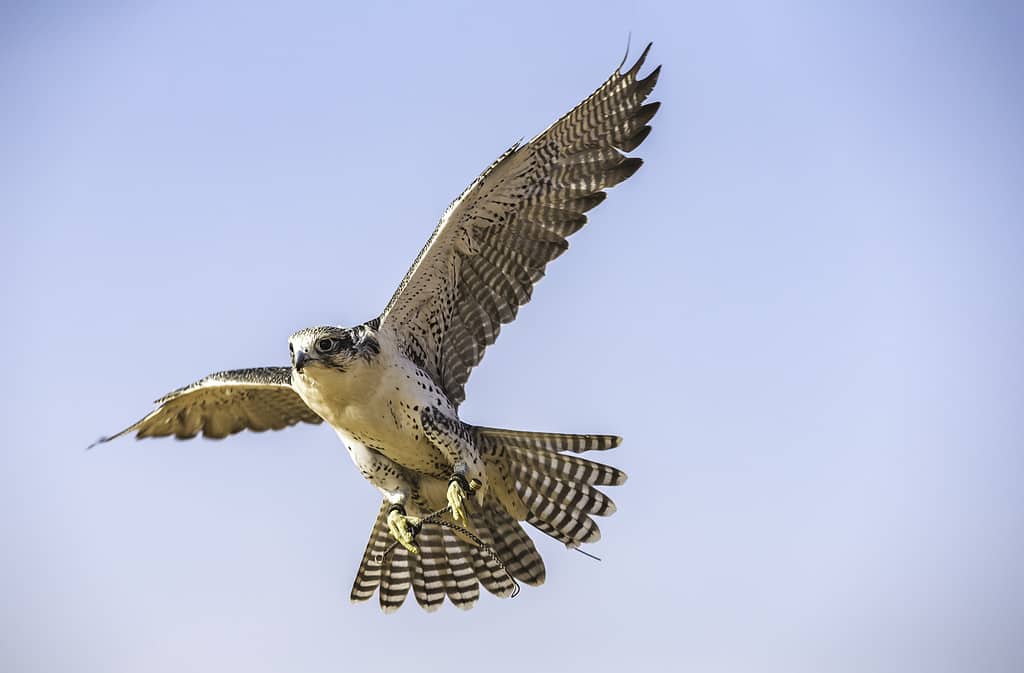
[300,360]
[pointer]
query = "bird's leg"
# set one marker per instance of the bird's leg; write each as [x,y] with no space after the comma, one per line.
[395,483]
[403,528]
[454,439]
[458,489]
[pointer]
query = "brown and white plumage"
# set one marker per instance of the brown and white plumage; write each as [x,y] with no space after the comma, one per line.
[391,387]
[224,403]
[494,241]
[560,501]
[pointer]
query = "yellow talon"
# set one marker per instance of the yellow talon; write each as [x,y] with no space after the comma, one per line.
[399,525]
[456,498]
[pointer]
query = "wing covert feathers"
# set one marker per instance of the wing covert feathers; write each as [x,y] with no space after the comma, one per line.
[494,242]
[225,403]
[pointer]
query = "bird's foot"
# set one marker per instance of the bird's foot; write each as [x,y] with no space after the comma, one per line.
[459,489]
[403,528]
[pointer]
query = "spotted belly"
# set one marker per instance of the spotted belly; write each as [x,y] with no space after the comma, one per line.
[392,428]
[379,408]
[410,452]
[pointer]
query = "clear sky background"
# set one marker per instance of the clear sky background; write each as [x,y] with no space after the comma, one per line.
[804,314]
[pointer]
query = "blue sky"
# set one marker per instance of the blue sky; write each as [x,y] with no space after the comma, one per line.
[804,314]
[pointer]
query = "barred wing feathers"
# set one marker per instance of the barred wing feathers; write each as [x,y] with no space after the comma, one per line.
[494,242]
[225,403]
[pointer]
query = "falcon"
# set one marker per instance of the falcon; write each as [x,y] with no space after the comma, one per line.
[454,494]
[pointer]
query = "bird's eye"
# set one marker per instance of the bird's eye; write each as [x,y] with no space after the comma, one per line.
[325,345]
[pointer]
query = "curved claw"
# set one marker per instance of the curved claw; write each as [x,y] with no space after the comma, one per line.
[457,496]
[402,529]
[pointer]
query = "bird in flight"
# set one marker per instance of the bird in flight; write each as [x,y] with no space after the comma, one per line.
[391,387]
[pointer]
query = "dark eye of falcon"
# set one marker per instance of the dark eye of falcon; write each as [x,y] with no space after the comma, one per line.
[325,345]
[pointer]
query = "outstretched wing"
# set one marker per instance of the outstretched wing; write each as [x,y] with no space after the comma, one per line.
[494,241]
[225,403]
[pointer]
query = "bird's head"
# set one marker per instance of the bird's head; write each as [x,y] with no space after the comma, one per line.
[320,349]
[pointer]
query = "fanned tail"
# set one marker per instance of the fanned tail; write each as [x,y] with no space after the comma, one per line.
[558,490]
[531,480]
[448,565]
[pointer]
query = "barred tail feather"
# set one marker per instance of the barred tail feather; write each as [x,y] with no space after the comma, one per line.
[431,574]
[460,584]
[369,573]
[551,441]
[578,496]
[570,523]
[488,571]
[558,489]
[516,549]
[396,578]
[569,467]
[549,530]
[541,450]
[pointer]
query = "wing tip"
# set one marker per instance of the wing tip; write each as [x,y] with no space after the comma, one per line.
[632,72]
[593,200]
[109,438]
[102,440]
[628,167]
[647,111]
[633,142]
[640,59]
[646,85]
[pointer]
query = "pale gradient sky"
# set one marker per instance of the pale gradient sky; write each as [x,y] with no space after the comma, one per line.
[804,314]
